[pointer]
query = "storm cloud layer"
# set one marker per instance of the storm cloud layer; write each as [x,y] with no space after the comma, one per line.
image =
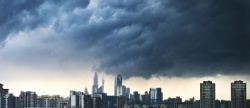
[174,38]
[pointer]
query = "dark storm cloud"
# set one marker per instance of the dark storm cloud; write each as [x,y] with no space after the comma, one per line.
[25,14]
[143,38]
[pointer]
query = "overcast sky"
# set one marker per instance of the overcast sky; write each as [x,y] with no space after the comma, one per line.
[60,43]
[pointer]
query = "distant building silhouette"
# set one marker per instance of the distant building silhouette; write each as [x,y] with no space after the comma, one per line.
[137,97]
[207,94]
[145,98]
[121,101]
[95,88]
[225,104]
[238,94]
[115,87]
[86,91]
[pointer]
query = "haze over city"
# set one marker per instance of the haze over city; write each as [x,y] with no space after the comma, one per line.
[54,46]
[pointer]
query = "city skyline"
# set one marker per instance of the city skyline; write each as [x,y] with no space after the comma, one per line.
[52,46]
[166,94]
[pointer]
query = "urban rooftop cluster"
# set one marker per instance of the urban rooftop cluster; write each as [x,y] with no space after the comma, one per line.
[122,98]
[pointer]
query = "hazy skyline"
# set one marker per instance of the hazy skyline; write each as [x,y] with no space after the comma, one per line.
[172,44]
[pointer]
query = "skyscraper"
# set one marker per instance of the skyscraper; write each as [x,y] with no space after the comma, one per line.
[207,94]
[124,91]
[119,85]
[115,88]
[128,93]
[155,95]
[145,98]
[238,94]
[95,86]
[137,97]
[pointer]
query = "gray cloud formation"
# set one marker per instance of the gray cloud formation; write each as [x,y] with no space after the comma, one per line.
[143,38]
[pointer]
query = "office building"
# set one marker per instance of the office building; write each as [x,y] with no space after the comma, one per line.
[124,91]
[128,93]
[238,94]
[145,98]
[207,94]
[115,88]
[119,85]
[155,96]
[28,99]
[137,97]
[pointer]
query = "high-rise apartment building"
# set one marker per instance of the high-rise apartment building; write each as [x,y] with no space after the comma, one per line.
[3,92]
[238,94]
[46,101]
[207,94]
[79,100]
[28,99]
[10,101]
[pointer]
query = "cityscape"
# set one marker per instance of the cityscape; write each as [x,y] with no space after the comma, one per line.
[124,53]
[124,98]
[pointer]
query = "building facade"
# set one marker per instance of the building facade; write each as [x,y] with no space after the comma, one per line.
[10,101]
[79,100]
[28,99]
[3,92]
[207,94]
[48,101]
[155,96]
[238,94]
